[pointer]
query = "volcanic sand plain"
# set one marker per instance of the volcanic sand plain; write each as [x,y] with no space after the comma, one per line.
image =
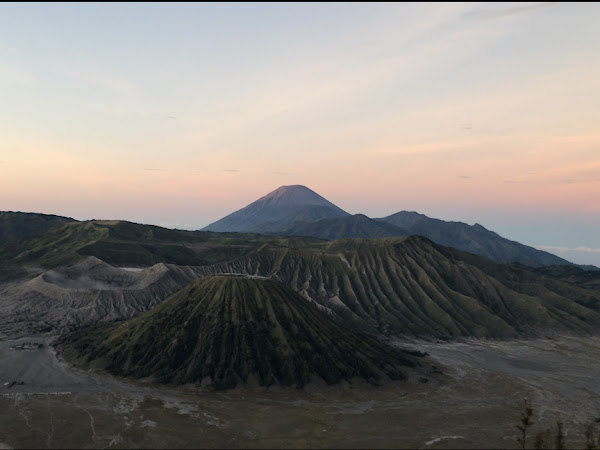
[476,402]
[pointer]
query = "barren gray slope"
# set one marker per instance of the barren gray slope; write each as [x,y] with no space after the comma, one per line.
[85,293]
[277,210]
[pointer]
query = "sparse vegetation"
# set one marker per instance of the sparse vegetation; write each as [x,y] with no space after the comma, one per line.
[553,437]
[524,425]
[543,439]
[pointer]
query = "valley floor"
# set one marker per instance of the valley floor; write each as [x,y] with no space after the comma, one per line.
[477,403]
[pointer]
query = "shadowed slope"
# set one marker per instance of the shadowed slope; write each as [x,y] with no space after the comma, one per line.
[227,329]
[356,226]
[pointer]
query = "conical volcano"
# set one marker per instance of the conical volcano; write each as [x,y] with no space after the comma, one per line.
[278,210]
[230,330]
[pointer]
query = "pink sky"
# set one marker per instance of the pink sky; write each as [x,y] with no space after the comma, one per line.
[182,114]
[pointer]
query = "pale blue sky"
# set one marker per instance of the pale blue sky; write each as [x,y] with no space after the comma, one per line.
[178,114]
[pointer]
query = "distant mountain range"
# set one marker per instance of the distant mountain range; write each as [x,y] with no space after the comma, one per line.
[474,239]
[299,211]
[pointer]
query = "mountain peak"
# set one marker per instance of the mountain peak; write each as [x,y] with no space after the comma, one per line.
[277,210]
[297,195]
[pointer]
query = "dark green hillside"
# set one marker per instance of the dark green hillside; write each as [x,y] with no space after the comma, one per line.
[231,329]
[56,247]
[586,278]
[123,243]
[411,286]
[16,226]
[356,226]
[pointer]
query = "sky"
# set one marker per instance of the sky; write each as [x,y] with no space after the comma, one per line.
[179,114]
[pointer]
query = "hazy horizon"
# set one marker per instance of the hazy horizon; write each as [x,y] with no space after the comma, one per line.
[177,115]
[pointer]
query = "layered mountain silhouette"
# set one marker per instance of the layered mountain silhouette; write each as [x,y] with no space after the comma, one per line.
[473,238]
[397,285]
[298,211]
[225,330]
[278,210]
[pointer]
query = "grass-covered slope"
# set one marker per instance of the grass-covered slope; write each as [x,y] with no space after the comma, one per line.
[411,286]
[230,329]
[16,226]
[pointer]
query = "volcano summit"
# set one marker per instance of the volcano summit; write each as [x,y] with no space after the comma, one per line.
[278,210]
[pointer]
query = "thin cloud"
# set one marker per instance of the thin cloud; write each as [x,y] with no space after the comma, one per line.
[498,12]
[172,117]
[466,177]
[470,128]
[581,248]
[283,173]
[230,170]
[154,170]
